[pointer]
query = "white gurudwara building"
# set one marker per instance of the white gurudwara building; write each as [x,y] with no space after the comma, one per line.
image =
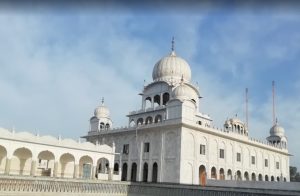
[170,140]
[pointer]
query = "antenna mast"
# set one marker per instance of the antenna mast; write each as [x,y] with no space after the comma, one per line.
[246,107]
[273,96]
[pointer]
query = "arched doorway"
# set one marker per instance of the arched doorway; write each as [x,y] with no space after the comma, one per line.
[238,175]
[133,172]
[145,172]
[85,167]
[154,172]
[278,179]
[272,178]
[229,174]
[266,178]
[103,166]
[222,175]
[3,155]
[253,177]
[21,162]
[116,169]
[260,178]
[45,163]
[202,175]
[124,172]
[67,163]
[246,176]
[213,173]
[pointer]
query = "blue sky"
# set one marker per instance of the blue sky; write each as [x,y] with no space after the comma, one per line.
[57,62]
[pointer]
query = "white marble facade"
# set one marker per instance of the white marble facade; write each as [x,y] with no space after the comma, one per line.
[169,140]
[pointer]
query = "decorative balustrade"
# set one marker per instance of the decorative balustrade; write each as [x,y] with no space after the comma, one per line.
[59,185]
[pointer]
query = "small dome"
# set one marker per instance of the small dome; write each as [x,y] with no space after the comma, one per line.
[102,111]
[277,130]
[170,68]
[183,91]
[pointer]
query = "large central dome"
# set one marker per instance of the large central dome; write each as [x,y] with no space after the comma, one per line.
[171,68]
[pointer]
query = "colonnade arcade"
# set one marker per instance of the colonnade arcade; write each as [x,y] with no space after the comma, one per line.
[222,174]
[24,161]
[149,172]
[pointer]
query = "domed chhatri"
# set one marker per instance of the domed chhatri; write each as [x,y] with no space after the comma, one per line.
[184,92]
[277,130]
[102,111]
[171,68]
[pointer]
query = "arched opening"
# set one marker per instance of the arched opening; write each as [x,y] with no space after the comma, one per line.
[154,172]
[253,177]
[246,176]
[103,166]
[157,118]
[202,175]
[116,169]
[67,163]
[107,126]
[45,165]
[166,98]
[260,178]
[272,178]
[284,179]
[148,120]
[124,172]
[132,123]
[222,175]
[213,173]
[229,174]
[3,155]
[278,179]
[239,175]
[148,103]
[102,126]
[140,121]
[145,172]
[156,100]
[85,167]
[266,178]
[133,172]
[21,162]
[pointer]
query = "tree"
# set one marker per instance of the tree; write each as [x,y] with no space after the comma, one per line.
[294,175]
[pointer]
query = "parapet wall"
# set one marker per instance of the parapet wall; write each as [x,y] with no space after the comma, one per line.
[15,186]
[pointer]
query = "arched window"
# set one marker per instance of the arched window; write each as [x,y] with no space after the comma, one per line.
[148,103]
[246,176]
[278,179]
[102,126]
[253,177]
[239,175]
[156,100]
[260,178]
[213,173]
[107,126]
[157,118]
[116,169]
[166,98]
[140,121]
[124,172]
[148,120]
[154,172]
[229,174]
[133,172]
[284,179]
[222,176]
[145,172]
[132,123]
